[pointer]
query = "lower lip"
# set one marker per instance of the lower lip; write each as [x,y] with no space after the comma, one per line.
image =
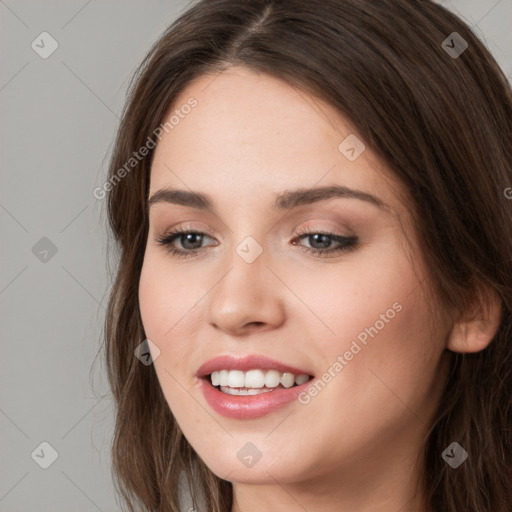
[249,406]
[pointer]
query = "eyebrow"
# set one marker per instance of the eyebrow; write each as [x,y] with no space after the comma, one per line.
[286,200]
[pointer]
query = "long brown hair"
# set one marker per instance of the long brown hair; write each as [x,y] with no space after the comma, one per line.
[443,124]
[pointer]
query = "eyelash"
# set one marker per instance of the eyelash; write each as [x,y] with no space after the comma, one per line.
[347,243]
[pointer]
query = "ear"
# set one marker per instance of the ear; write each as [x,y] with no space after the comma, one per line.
[478,323]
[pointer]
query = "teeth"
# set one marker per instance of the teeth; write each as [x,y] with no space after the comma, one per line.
[236,391]
[236,379]
[300,379]
[288,380]
[254,379]
[272,378]
[223,376]
[216,379]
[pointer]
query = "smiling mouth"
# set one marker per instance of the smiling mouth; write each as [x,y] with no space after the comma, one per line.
[254,382]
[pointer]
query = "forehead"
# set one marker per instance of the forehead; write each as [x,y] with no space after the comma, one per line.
[256,134]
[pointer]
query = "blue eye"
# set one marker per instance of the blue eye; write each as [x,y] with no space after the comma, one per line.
[323,242]
[186,237]
[191,242]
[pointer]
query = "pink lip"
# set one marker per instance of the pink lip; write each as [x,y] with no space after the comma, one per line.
[248,406]
[246,363]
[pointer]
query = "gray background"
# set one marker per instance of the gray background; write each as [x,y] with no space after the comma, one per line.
[58,120]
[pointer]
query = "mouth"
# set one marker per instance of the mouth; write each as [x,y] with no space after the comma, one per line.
[250,386]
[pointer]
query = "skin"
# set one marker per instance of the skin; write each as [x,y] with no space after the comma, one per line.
[354,446]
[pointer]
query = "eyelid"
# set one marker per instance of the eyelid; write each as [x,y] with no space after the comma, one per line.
[320,225]
[311,226]
[336,227]
[187,226]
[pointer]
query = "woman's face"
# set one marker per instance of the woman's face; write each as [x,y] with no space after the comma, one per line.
[354,315]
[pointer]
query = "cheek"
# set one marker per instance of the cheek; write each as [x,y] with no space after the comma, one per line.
[381,326]
[166,306]
[154,298]
[386,384]
[166,298]
[390,369]
[368,292]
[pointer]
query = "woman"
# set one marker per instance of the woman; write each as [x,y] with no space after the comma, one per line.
[310,202]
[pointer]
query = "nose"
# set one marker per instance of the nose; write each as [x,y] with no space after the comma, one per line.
[249,297]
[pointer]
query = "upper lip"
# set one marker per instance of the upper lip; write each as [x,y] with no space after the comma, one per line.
[246,363]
